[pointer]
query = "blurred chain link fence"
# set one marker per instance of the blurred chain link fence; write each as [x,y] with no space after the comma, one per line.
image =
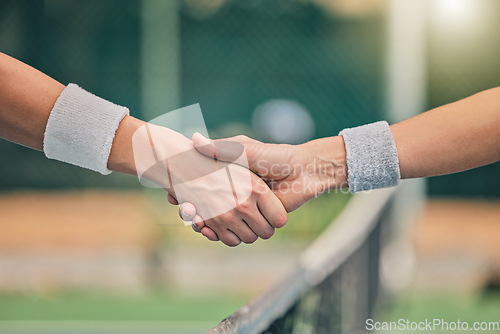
[235,55]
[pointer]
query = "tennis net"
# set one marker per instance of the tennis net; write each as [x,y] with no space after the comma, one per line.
[335,284]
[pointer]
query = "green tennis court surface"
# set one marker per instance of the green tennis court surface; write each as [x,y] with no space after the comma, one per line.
[75,327]
[79,313]
[480,306]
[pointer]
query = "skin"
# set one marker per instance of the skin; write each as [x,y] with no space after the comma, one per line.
[449,139]
[27,97]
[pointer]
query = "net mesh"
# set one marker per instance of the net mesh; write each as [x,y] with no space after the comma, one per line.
[335,286]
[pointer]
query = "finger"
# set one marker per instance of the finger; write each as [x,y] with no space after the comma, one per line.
[171,199]
[244,233]
[229,238]
[223,149]
[231,229]
[231,150]
[209,233]
[219,226]
[228,149]
[258,224]
[187,211]
[195,228]
[197,223]
[271,207]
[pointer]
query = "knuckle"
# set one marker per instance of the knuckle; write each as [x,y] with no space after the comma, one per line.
[240,138]
[213,225]
[243,207]
[259,187]
[224,219]
[209,223]
[255,182]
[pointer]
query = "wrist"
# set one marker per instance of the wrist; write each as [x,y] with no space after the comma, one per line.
[372,157]
[327,156]
[143,149]
[121,157]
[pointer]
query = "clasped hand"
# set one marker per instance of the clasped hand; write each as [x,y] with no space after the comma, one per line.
[283,177]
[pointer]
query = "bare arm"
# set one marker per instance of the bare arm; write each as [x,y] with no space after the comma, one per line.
[445,140]
[27,98]
[452,138]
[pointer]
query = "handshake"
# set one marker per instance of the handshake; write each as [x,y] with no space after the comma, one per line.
[237,189]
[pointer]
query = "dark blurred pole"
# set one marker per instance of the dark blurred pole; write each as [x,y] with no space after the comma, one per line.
[160,59]
[406,56]
[160,76]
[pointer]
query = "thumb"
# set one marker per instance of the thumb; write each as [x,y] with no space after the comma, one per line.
[249,153]
[230,149]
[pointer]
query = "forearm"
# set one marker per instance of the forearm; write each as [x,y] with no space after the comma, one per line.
[445,140]
[452,138]
[26,99]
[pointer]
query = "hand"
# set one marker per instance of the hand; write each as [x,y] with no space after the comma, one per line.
[295,173]
[241,210]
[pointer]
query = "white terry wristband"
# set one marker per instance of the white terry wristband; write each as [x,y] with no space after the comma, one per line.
[372,157]
[81,128]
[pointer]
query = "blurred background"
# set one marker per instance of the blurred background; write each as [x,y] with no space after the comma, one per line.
[77,247]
